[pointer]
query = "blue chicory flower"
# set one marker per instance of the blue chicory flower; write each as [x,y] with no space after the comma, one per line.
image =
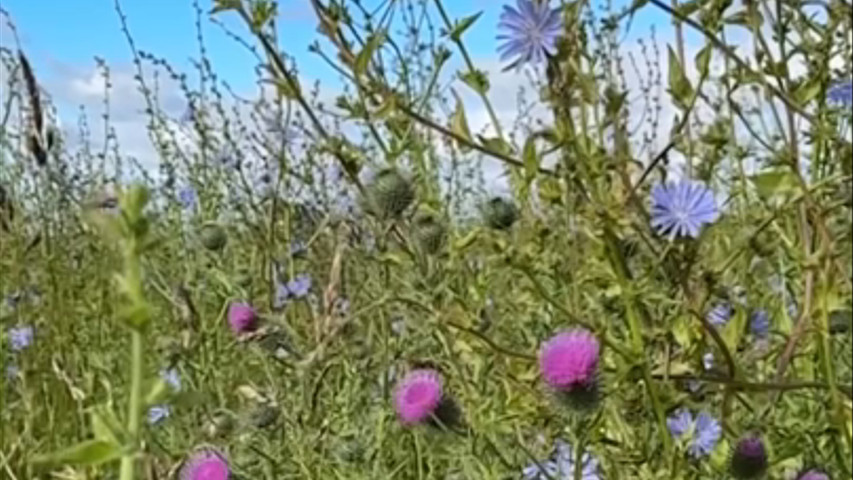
[172,378]
[531,32]
[187,197]
[759,323]
[21,337]
[841,92]
[561,465]
[158,413]
[299,286]
[720,314]
[681,209]
[704,433]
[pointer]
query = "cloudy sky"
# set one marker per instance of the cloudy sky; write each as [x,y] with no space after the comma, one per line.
[63,40]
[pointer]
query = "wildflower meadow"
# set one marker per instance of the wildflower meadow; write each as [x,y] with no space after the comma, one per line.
[511,239]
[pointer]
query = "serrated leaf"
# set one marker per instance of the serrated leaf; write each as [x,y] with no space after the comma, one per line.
[679,85]
[703,60]
[362,60]
[462,25]
[89,452]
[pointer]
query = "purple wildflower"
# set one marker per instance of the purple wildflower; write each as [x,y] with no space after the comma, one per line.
[541,470]
[531,31]
[242,318]
[704,433]
[749,459]
[813,475]
[569,360]
[299,286]
[759,323]
[681,209]
[418,396]
[187,197]
[205,465]
[841,92]
[158,413]
[720,314]
[21,337]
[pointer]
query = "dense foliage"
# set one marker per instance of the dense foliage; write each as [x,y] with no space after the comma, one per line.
[298,288]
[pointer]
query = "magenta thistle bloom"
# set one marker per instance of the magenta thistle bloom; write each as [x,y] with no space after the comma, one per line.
[569,360]
[242,318]
[813,475]
[681,209]
[205,465]
[418,395]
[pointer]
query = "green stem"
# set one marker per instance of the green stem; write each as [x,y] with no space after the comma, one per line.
[135,404]
[636,331]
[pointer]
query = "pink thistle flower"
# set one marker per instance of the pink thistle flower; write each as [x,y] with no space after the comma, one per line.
[569,360]
[242,318]
[418,395]
[205,465]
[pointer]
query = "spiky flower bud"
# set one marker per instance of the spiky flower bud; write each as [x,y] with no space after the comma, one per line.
[213,237]
[430,233]
[500,214]
[391,193]
[749,459]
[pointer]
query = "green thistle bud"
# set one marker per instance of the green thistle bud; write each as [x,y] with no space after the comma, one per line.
[264,416]
[213,237]
[391,193]
[500,214]
[430,233]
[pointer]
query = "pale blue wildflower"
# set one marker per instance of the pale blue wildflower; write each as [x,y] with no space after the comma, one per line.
[720,314]
[841,92]
[158,413]
[759,323]
[704,432]
[681,209]
[531,32]
[21,337]
[172,378]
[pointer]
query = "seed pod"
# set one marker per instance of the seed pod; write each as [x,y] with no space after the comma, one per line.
[213,237]
[500,214]
[430,233]
[391,193]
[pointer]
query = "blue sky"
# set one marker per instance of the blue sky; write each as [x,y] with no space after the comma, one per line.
[71,33]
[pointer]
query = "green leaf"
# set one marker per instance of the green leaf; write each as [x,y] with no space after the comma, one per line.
[530,158]
[703,60]
[679,85]
[467,240]
[363,58]
[734,330]
[462,25]
[495,144]
[106,426]
[156,392]
[807,91]
[477,80]
[459,123]
[262,12]
[776,181]
[225,5]
[88,452]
